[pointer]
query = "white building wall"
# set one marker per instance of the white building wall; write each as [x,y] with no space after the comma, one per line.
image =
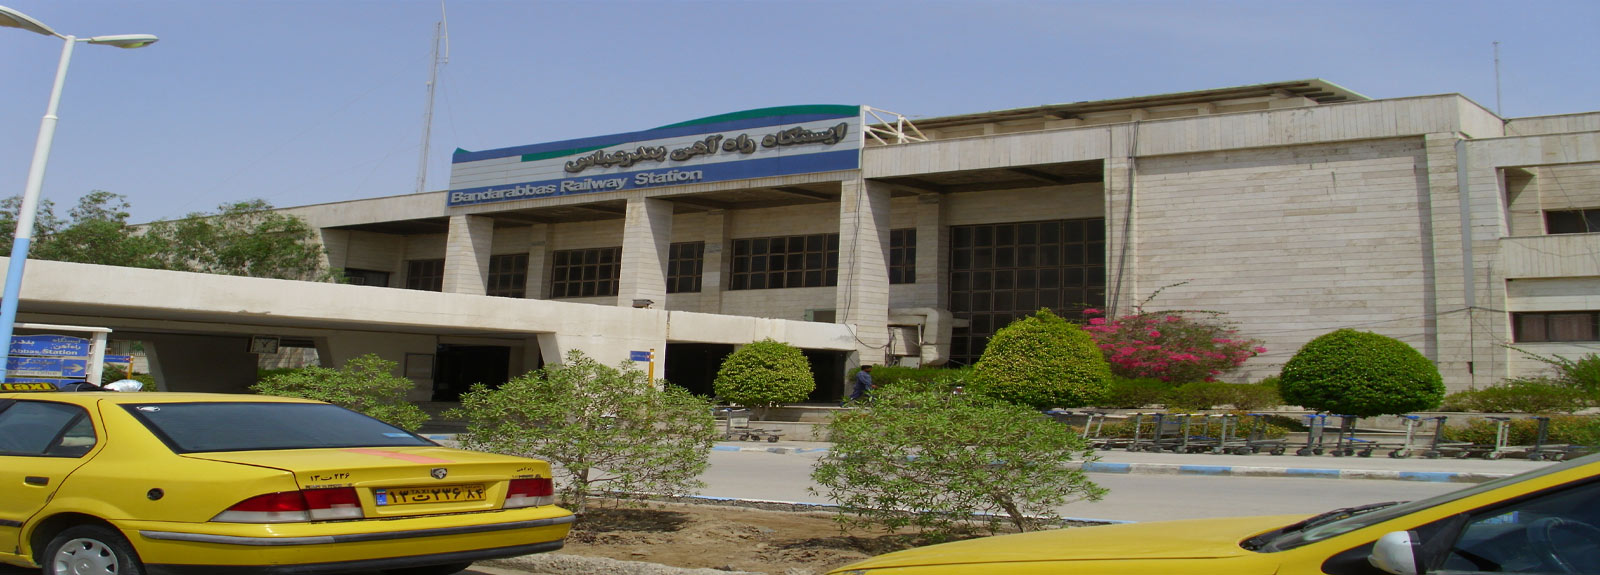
[1290,242]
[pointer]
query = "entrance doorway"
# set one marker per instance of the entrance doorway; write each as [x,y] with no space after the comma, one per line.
[827,367]
[460,366]
[693,366]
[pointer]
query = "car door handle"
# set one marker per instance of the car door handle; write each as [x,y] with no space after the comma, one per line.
[35,480]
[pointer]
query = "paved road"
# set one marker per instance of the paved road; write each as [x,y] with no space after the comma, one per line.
[1133,497]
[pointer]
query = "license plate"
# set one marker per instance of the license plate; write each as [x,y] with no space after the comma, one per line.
[435,494]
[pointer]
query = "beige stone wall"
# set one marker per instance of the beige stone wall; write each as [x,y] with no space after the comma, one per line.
[1291,242]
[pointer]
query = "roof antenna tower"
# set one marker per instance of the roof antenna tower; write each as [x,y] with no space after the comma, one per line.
[441,36]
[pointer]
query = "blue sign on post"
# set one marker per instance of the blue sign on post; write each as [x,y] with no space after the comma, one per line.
[53,359]
[49,346]
[639,356]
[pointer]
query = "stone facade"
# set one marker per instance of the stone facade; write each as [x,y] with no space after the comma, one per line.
[1294,212]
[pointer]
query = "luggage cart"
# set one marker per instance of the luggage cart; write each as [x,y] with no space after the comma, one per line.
[1437,447]
[1498,450]
[1257,441]
[1347,443]
[1140,441]
[1230,440]
[1093,429]
[1171,433]
[1543,451]
[1316,424]
[1405,450]
[736,425]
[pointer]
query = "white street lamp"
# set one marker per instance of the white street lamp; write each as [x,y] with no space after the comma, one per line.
[41,155]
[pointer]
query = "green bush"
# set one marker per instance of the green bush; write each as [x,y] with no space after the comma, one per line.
[366,384]
[1200,395]
[764,374]
[1042,361]
[935,461]
[889,375]
[1134,393]
[1258,396]
[1362,374]
[601,428]
[1523,395]
[1564,429]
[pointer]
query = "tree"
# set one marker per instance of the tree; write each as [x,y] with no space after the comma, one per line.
[244,239]
[1362,374]
[599,426]
[366,384]
[98,233]
[765,374]
[1042,361]
[932,459]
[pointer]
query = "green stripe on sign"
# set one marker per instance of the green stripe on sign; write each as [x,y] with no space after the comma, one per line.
[558,153]
[777,111]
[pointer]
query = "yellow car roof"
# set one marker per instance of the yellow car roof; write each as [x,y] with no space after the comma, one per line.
[88,397]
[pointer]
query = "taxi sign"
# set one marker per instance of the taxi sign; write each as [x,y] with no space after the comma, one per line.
[33,386]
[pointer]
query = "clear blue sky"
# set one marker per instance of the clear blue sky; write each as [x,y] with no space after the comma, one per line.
[303,102]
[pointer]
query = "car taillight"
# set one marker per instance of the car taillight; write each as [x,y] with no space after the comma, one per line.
[295,506]
[530,493]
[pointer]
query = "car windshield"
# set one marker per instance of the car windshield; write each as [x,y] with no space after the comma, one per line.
[1341,521]
[245,426]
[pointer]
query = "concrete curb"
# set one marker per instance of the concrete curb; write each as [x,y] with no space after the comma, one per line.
[1305,472]
[1222,470]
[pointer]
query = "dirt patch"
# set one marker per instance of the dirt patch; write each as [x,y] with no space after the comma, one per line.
[727,538]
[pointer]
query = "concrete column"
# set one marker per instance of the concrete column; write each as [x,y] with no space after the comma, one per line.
[538,286]
[466,255]
[646,235]
[1122,233]
[335,248]
[717,263]
[862,298]
[933,252]
[1464,339]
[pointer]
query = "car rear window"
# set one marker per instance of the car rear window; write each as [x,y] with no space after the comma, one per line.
[246,426]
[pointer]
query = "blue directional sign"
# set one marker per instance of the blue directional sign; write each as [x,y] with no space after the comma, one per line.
[111,358]
[49,346]
[639,356]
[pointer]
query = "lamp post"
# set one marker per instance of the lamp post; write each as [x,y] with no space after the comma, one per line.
[41,155]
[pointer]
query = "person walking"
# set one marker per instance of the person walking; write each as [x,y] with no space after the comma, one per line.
[863,387]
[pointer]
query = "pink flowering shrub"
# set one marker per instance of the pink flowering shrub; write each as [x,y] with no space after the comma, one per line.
[1180,346]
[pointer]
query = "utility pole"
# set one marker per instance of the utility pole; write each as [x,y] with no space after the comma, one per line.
[441,34]
[1497,110]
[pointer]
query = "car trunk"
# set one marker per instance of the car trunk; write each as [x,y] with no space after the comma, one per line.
[399,481]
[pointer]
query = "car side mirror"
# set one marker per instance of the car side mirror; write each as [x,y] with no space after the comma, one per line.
[1398,553]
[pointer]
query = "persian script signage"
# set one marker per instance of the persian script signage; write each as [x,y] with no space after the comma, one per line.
[754,144]
[52,359]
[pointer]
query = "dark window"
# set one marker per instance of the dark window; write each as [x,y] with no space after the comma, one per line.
[1572,221]
[1531,327]
[786,262]
[244,426]
[425,275]
[684,262]
[357,277]
[42,429]
[903,256]
[508,275]
[593,272]
[1001,272]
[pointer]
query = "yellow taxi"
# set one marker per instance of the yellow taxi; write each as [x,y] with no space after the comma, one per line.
[1543,521]
[208,484]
